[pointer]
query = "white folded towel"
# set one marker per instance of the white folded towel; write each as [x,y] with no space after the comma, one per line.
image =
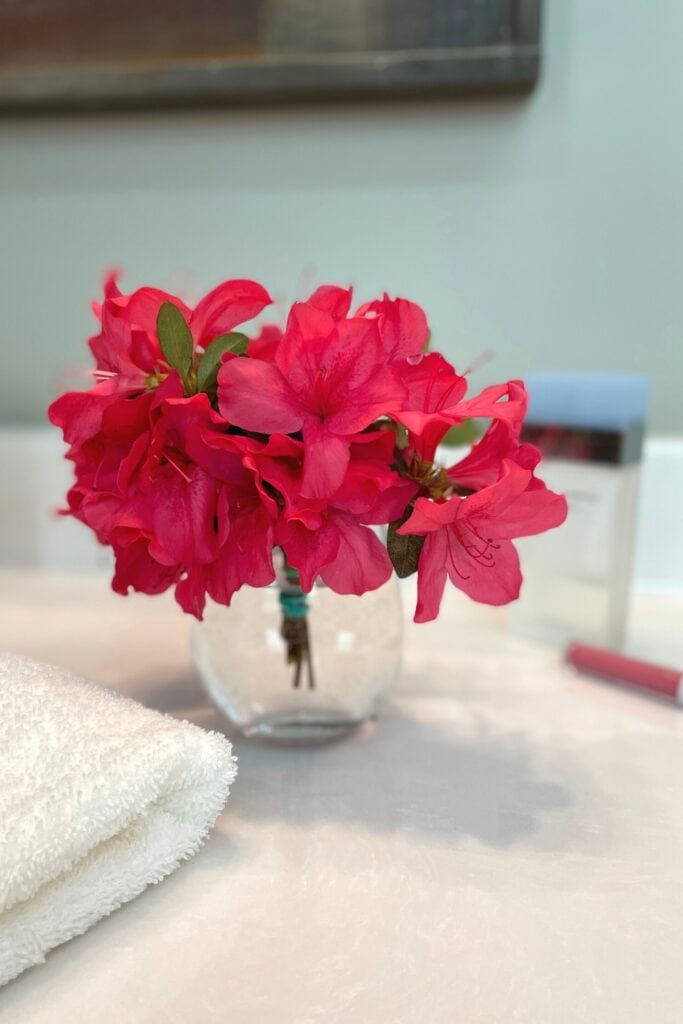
[99,796]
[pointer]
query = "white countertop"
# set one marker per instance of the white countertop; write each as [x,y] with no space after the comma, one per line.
[504,845]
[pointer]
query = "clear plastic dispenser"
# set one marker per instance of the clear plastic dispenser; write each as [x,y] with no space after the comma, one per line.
[577,578]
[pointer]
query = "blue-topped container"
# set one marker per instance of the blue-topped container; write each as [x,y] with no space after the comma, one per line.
[593,417]
[589,428]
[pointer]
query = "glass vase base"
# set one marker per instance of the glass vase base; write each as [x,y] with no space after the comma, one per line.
[300,729]
[305,687]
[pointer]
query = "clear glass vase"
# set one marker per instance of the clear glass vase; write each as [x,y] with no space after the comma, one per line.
[299,669]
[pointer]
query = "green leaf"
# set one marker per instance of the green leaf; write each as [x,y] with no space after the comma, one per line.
[404,552]
[428,342]
[210,363]
[175,338]
[464,433]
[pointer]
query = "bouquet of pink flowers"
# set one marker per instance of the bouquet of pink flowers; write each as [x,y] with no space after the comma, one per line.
[200,449]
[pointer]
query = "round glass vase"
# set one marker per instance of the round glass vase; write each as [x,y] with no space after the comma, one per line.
[299,669]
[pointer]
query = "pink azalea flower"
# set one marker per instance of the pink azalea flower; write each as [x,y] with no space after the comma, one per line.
[199,507]
[481,466]
[247,513]
[435,401]
[330,537]
[402,326]
[329,298]
[329,380]
[161,482]
[107,450]
[371,488]
[469,539]
[434,392]
[194,498]
[106,442]
[127,349]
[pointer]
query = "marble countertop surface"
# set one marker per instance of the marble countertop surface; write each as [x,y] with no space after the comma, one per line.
[505,843]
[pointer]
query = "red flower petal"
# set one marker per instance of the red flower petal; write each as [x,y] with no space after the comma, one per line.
[362,562]
[325,460]
[402,326]
[307,550]
[431,577]
[265,344]
[254,395]
[329,298]
[482,465]
[228,305]
[488,404]
[137,569]
[142,307]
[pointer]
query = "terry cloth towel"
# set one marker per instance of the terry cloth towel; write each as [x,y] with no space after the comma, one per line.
[99,796]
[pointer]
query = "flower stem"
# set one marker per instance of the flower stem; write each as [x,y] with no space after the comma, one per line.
[294,629]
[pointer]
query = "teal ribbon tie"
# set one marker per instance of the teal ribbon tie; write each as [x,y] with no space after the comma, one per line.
[294,606]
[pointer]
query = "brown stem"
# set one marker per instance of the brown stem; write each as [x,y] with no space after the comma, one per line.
[294,629]
[309,658]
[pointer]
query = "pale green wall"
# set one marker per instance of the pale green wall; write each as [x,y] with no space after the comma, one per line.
[549,229]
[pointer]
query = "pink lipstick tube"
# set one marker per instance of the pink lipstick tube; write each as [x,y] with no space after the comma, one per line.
[618,668]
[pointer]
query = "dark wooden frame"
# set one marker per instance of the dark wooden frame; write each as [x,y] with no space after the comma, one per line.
[512,66]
